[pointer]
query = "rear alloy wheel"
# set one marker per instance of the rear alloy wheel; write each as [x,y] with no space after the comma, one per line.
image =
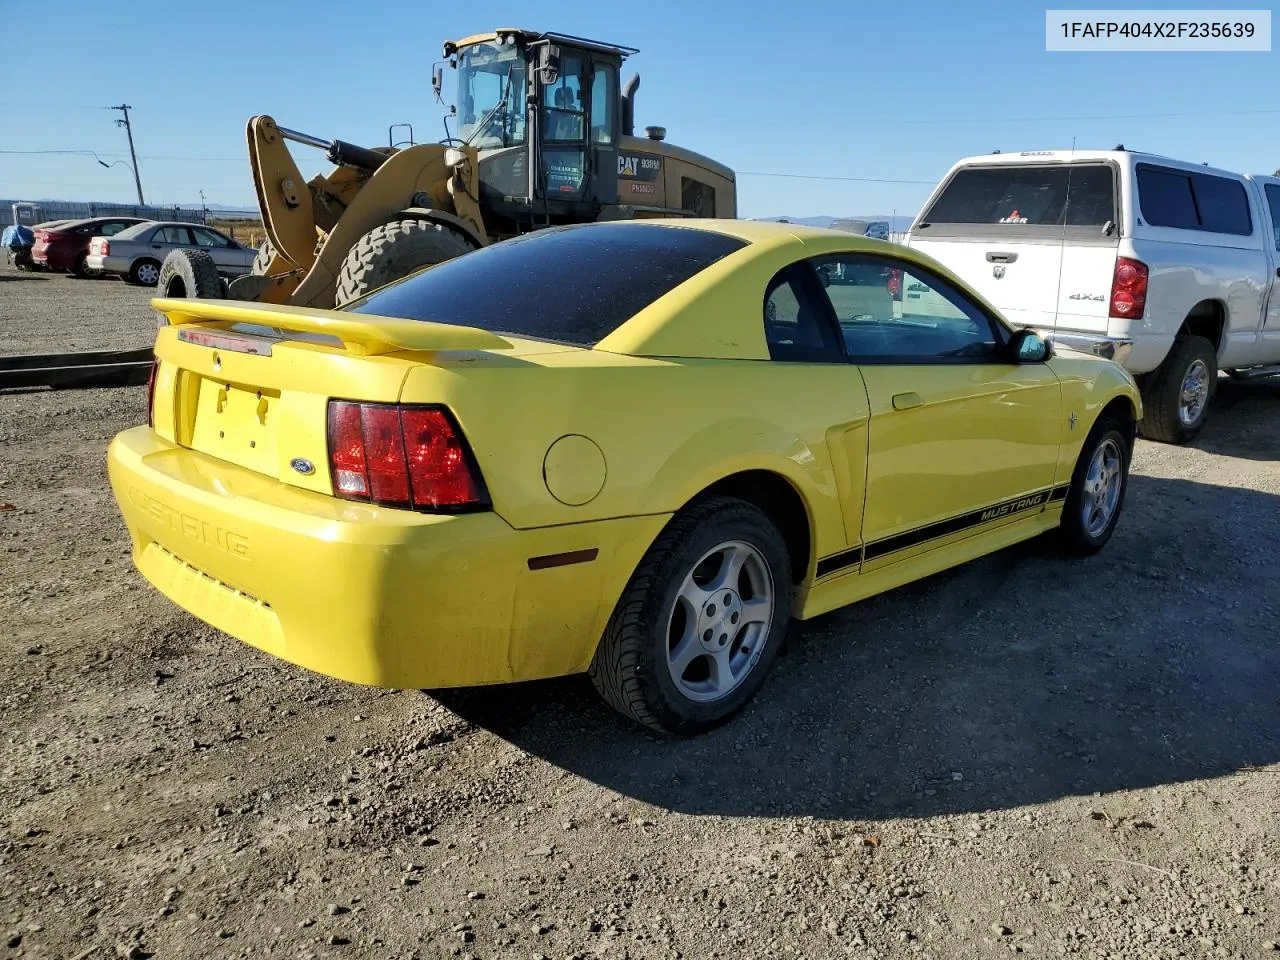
[700,621]
[81,267]
[1098,486]
[392,251]
[144,273]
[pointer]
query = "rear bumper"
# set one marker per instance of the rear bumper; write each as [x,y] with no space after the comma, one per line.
[53,258]
[96,261]
[1118,349]
[380,597]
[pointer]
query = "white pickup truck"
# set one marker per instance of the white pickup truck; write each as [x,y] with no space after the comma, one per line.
[1169,267]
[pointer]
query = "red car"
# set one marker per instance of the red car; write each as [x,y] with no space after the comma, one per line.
[65,246]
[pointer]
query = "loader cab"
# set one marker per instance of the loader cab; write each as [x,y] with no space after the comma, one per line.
[545,113]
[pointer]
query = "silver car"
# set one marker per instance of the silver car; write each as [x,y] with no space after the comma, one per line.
[136,253]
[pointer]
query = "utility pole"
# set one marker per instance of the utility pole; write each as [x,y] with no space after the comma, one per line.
[124,108]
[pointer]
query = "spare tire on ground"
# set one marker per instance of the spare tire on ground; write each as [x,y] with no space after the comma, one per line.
[189,273]
[392,251]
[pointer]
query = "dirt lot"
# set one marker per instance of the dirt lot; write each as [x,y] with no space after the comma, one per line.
[1027,755]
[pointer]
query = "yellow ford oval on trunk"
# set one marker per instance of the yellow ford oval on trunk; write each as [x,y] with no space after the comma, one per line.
[633,449]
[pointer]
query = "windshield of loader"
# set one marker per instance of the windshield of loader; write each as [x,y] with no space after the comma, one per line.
[491,95]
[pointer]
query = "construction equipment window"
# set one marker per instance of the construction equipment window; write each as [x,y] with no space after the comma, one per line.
[698,198]
[564,106]
[604,94]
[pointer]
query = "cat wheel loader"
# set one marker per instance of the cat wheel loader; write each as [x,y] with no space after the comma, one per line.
[545,136]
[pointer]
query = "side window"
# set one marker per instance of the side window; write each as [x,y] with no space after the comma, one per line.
[1223,205]
[896,312]
[796,326]
[1165,199]
[1273,201]
[207,238]
[604,96]
[111,229]
[179,236]
[697,197]
[1193,201]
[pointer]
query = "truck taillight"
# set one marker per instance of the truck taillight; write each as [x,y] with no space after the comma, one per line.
[893,283]
[402,456]
[151,392]
[1129,289]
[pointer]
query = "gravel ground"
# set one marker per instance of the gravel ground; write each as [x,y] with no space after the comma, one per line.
[1026,755]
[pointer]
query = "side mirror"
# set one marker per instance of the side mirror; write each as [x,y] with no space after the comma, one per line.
[1027,346]
[548,64]
[437,79]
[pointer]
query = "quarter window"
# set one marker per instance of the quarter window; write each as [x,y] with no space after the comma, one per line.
[1193,201]
[894,312]
[796,324]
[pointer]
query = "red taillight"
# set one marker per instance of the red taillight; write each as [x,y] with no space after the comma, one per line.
[894,282]
[151,392]
[402,456]
[1129,289]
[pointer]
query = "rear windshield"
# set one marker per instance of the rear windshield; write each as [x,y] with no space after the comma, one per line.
[1010,200]
[572,285]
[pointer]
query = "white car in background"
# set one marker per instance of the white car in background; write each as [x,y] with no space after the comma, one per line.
[137,253]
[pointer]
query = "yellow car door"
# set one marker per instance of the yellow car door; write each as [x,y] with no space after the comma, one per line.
[960,439]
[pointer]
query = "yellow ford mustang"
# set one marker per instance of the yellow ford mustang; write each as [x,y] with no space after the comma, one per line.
[634,449]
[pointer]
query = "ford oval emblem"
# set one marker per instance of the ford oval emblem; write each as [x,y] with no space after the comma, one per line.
[302,465]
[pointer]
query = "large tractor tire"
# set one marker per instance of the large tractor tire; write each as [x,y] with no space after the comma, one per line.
[189,273]
[392,251]
[262,262]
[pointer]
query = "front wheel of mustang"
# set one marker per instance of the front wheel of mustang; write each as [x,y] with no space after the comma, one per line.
[700,621]
[1098,487]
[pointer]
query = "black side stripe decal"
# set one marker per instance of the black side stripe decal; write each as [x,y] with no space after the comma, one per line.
[943,528]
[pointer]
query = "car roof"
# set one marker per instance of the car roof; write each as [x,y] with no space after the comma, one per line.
[148,224]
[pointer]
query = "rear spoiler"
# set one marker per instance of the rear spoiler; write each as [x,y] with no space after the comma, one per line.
[363,334]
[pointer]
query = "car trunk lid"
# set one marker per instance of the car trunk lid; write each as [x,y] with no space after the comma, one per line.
[250,384]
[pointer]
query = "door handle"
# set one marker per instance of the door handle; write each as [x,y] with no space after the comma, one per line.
[1000,257]
[905,401]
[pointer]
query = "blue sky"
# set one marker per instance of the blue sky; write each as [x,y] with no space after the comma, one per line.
[891,91]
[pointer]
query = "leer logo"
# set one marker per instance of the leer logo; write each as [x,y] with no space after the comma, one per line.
[1013,218]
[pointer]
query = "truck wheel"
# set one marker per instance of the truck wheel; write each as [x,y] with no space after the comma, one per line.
[1176,395]
[190,273]
[700,620]
[392,251]
[1098,485]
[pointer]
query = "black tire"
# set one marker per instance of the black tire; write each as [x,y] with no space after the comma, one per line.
[190,274]
[1162,391]
[262,262]
[80,268]
[139,265]
[392,251]
[1074,532]
[630,668]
